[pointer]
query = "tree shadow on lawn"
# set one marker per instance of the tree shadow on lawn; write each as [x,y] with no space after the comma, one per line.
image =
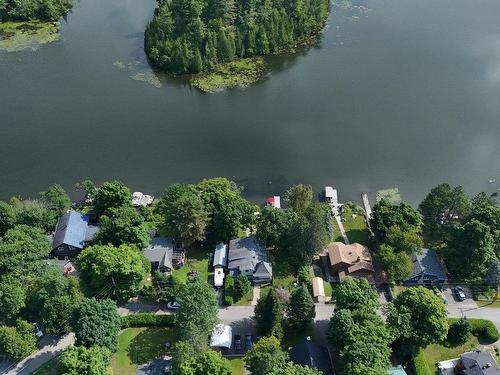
[149,344]
[359,236]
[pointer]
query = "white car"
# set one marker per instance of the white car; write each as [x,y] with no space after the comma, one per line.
[173,305]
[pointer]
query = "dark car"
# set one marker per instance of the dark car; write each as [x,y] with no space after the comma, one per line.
[248,341]
[459,292]
[237,342]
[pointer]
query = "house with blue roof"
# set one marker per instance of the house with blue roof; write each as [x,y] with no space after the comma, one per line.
[72,233]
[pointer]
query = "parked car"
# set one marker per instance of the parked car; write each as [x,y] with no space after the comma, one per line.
[237,342]
[38,331]
[173,305]
[248,341]
[459,292]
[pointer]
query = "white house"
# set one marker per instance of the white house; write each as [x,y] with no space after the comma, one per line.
[219,264]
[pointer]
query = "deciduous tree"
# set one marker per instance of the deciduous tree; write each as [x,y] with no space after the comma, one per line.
[355,294]
[209,362]
[266,356]
[301,310]
[112,194]
[85,361]
[397,265]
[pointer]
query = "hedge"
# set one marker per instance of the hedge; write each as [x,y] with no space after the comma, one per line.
[147,320]
[484,329]
[420,366]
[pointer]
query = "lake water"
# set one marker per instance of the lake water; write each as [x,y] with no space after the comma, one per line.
[404,94]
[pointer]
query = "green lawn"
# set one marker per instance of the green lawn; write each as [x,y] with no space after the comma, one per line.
[137,346]
[328,288]
[197,260]
[435,353]
[49,368]
[283,275]
[237,366]
[353,219]
[488,304]
[246,299]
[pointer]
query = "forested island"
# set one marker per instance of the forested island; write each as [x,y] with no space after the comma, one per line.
[28,10]
[192,36]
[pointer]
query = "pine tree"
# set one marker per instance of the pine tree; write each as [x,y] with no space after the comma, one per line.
[301,310]
[269,315]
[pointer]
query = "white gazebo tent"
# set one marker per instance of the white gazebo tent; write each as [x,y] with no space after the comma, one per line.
[222,337]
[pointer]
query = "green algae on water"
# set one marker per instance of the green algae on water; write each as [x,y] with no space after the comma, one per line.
[238,73]
[30,35]
[392,195]
[148,77]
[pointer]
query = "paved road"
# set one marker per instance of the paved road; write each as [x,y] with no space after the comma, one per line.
[45,354]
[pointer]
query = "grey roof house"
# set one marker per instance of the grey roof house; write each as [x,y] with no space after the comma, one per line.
[427,269]
[248,256]
[220,255]
[475,362]
[72,233]
[159,253]
[307,353]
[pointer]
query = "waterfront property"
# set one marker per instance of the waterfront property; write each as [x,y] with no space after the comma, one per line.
[274,201]
[160,253]
[352,260]
[141,200]
[72,233]
[428,269]
[248,256]
[331,197]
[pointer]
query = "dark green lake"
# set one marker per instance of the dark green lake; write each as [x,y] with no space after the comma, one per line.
[406,94]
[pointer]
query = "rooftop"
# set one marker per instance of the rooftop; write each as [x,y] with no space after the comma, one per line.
[308,353]
[427,263]
[71,230]
[160,249]
[245,253]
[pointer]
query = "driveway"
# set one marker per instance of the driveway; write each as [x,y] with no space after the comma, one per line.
[45,354]
[453,302]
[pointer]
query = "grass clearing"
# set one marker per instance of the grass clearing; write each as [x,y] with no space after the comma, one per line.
[197,260]
[495,304]
[283,275]
[246,299]
[437,352]
[353,219]
[137,346]
[237,366]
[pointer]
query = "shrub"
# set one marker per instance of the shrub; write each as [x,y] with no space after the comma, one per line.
[147,320]
[304,275]
[483,329]
[241,287]
[459,332]
[420,366]
[228,300]
[229,290]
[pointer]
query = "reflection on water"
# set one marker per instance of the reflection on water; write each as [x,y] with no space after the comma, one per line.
[397,93]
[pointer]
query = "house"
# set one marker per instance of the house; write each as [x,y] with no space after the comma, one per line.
[476,362]
[159,253]
[222,337]
[318,290]
[219,263]
[398,370]
[352,260]
[248,256]
[274,201]
[72,233]
[307,353]
[427,269]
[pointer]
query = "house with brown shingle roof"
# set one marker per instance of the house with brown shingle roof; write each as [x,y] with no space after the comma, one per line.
[352,260]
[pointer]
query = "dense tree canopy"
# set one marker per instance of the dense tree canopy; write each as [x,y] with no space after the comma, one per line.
[266,356]
[56,200]
[184,213]
[417,318]
[188,36]
[299,197]
[84,361]
[115,272]
[12,297]
[197,314]
[123,225]
[442,210]
[397,265]
[112,194]
[7,217]
[227,210]
[472,244]
[96,323]
[17,342]
[387,215]
[355,294]
[301,310]
[17,10]
[21,249]
[209,362]
[269,315]
[34,213]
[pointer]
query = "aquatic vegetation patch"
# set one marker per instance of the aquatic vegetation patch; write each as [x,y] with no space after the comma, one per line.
[392,195]
[30,35]
[237,73]
[148,77]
